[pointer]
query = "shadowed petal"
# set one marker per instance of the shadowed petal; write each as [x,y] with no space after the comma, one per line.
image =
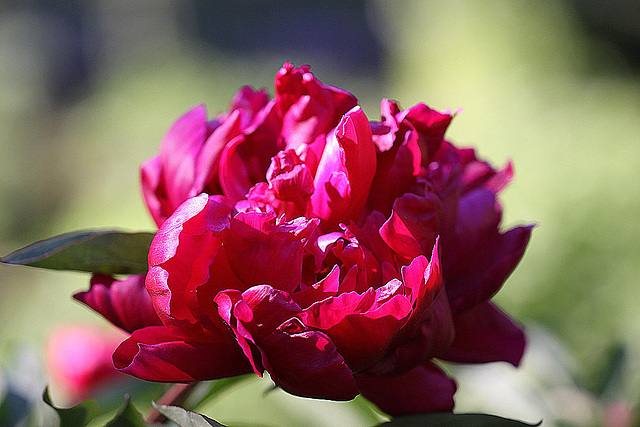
[125,303]
[486,334]
[413,226]
[423,389]
[261,252]
[307,363]
[361,329]
[154,354]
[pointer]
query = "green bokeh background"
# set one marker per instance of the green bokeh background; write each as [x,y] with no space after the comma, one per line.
[534,87]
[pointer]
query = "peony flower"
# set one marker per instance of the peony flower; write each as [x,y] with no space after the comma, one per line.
[340,255]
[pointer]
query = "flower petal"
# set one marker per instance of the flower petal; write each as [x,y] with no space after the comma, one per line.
[423,389]
[308,107]
[345,171]
[245,159]
[361,329]
[179,150]
[413,226]
[180,257]
[429,330]
[262,253]
[155,354]
[306,363]
[125,303]
[431,125]
[486,334]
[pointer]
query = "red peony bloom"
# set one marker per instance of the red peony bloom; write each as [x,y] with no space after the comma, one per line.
[339,255]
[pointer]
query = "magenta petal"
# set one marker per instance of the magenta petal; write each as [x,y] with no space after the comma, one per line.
[308,107]
[179,150]
[125,303]
[180,256]
[361,330]
[152,185]
[206,174]
[234,176]
[483,278]
[345,171]
[486,334]
[423,389]
[327,287]
[245,159]
[413,226]
[270,308]
[154,354]
[273,256]
[431,125]
[307,363]
[429,330]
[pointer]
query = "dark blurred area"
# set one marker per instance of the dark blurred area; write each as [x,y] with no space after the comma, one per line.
[72,41]
[329,29]
[614,21]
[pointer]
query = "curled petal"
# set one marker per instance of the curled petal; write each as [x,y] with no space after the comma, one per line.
[345,171]
[270,308]
[481,278]
[429,330]
[155,354]
[249,102]
[152,185]
[423,389]
[361,327]
[327,287]
[125,303]
[179,150]
[261,252]
[306,363]
[431,125]
[308,107]
[486,334]
[206,175]
[290,178]
[245,160]
[180,257]
[413,226]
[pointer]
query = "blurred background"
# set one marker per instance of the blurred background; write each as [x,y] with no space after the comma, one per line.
[88,89]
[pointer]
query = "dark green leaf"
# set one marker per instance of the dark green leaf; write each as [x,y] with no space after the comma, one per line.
[454,420]
[106,252]
[185,418]
[127,416]
[78,415]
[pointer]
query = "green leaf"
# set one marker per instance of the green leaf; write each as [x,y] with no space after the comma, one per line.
[106,252]
[78,415]
[185,418]
[453,420]
[127,416]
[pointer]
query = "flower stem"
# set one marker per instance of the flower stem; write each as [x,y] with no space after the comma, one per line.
[175,395]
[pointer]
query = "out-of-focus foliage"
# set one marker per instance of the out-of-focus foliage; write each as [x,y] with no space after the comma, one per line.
[535,86]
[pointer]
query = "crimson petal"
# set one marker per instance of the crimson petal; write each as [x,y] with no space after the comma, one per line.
[423,389]
[155,354]
[307,363]
[125,303]
[486,334]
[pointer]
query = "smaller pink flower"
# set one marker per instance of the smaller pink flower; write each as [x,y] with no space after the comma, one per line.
[79,360]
